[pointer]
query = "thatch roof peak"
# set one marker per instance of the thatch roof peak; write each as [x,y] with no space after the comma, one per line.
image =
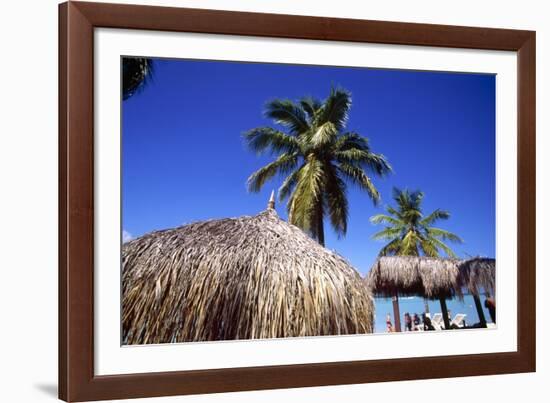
[238,278]
[271,202]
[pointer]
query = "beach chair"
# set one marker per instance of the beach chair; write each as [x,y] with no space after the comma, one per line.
[437,321]
[459,320]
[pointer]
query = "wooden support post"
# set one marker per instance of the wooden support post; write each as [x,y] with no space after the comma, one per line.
[396,314]
[480,312]
[426,306]
[445,312]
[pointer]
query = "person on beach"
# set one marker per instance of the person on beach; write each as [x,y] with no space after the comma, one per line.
[389,326]
[416,321]
[408,322]
[491,307]
[428,323]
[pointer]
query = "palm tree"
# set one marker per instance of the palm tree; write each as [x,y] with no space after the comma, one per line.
[410,233]
[317,156]
[136,72]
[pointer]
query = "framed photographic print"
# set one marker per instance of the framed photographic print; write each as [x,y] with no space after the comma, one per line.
[256,201]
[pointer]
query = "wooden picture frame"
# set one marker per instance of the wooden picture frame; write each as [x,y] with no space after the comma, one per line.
[77,21]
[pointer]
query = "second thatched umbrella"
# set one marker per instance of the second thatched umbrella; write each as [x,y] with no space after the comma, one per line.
[432,278]
[238,278]
[477,275]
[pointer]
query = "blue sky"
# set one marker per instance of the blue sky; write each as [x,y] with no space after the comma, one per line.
[184,158]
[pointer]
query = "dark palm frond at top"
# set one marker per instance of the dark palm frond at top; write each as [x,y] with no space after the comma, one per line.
[318,159]
[409,231]
[136,72]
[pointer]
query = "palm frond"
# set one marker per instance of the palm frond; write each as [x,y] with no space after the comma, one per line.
[387,233]
[136,73]
[303,206]
[263,139]
[336,108]
[376,163]
[435,216]
[324,135]
[287,114]
[385,219]
[441,245]
[310,106]
[289,184]
[409,244]
[444,235]
[281,165]
[429,248]
[357,176]
[416,197]
[394,212]
[337,201]
[350,140]
[391,248]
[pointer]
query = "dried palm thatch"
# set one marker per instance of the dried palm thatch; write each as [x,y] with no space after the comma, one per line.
[238,278]
[414,275]
[477,274]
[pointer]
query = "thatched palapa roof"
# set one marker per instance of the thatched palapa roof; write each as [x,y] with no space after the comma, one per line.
[413,275]
[477,275]
[238,278]
[430,277]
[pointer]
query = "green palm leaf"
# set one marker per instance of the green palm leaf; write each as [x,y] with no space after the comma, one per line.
[385,219]
[388,233]
[444,235]
[441,245]
[324,135]
[337,202]
[357,176]
[391,248]
[283,165]
[263,139]
[310,107]
[289,184]
[287,114]
[335,108]
[351,140]
[435,216]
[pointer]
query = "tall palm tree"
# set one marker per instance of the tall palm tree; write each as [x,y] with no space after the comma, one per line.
[136,72]
[409,231]
[317,156]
